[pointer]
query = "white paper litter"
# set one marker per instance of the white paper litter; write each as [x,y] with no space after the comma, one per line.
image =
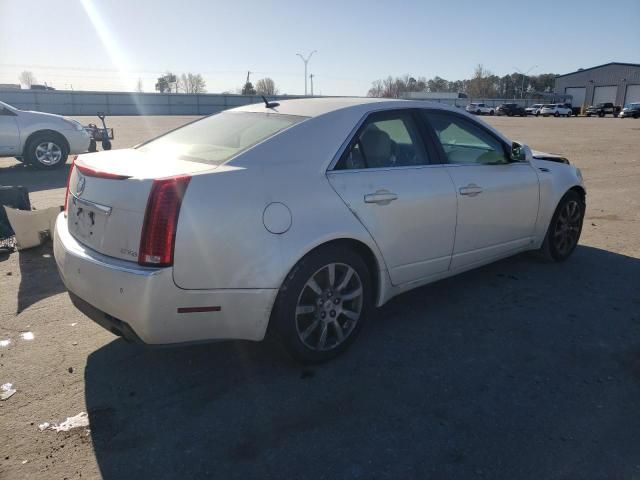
[27,335]
[6,391]
[32,226]
[80,420]
[73,324]
[5,343]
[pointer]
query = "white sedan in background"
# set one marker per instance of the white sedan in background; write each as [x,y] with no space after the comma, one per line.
[480,109]
[43,140]
[300,217]
[555,109]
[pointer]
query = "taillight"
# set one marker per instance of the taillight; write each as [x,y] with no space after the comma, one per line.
[66,197]
[161,221]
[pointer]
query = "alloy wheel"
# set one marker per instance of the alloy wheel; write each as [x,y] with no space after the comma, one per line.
[48,153]
[567,228]
[329,307]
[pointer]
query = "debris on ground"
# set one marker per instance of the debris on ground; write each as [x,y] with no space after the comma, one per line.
[80,420]
[6,391]
[27,335]
[5,343]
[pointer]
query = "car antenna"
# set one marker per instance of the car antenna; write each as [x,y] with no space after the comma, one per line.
[268,104]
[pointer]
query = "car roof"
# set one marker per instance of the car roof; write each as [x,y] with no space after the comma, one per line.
[313,107]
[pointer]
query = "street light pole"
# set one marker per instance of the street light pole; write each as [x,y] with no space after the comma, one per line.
[311,78]
[523,75]
[306,61]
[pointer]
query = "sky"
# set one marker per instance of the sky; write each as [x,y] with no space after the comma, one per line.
[110,44]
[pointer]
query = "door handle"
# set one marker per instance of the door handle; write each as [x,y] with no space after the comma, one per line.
[471,190]
[381,197]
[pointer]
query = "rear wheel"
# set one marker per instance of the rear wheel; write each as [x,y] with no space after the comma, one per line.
[565,227]
[491,112]
[323,304]
[556,114]
[46,151]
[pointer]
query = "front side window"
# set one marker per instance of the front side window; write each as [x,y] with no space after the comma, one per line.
[385,140]
[217,138]
[464,142]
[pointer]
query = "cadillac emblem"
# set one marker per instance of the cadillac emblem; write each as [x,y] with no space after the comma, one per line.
[80,186]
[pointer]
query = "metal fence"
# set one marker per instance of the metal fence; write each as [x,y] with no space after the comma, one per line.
[125,103]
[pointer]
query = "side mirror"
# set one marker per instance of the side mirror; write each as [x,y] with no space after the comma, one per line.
[520,152]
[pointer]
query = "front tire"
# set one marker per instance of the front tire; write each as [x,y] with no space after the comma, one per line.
[46,151]
[491,112]
[556,114]
[323,303]
[565,228]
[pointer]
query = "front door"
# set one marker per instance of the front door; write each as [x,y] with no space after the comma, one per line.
[9,133]
[497,198]
[407,204]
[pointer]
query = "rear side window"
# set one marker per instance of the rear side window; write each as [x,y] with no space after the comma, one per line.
[385,140]
[218,138]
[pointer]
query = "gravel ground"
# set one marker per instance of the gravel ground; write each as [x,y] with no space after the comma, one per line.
[522,369]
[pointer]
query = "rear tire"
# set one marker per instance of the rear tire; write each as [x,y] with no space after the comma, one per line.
[556,114]
[46,151]
[565,227]
[491,112]
[323,304]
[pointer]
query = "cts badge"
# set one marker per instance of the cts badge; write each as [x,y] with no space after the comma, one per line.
[80,186]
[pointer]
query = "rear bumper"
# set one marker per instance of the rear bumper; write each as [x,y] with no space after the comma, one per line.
[141,304]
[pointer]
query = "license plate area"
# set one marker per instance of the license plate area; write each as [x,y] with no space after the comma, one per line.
[87,220]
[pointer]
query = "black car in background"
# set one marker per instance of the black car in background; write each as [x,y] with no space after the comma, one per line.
[511,109]
[631,110]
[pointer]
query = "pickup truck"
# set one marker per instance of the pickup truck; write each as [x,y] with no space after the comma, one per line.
[602,109]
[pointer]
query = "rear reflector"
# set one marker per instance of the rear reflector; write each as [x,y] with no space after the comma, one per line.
[92,172]
[161,220]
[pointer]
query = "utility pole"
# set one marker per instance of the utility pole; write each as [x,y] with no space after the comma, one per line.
[311,77]
[523,75]
[306,61]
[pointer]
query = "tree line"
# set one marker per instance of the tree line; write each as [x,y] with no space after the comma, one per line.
[483,84]
[194,83]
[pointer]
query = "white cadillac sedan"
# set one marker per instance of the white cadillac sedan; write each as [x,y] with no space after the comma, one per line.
[300,217]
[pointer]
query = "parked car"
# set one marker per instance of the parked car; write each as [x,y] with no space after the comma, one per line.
[511,109]
[533,109]
[556,109]
[480,109]
[602,109]
[264,216]
[40,139]
[631,110]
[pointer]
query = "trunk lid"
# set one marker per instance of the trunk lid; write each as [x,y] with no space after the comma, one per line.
[108,193]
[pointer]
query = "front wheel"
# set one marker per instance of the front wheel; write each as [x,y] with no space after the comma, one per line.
[46,151]
[323,304]
[491,112]
[565,227]
[556,114]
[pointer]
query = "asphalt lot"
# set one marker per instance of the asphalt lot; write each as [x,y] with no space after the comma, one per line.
[519,370]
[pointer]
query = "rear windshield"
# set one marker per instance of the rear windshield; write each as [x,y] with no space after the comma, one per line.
[217,138]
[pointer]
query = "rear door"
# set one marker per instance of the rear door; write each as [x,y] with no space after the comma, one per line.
[9,133]
[385,176]
[497,198]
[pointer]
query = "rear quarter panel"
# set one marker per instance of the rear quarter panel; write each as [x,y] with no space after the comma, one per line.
[222,241]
